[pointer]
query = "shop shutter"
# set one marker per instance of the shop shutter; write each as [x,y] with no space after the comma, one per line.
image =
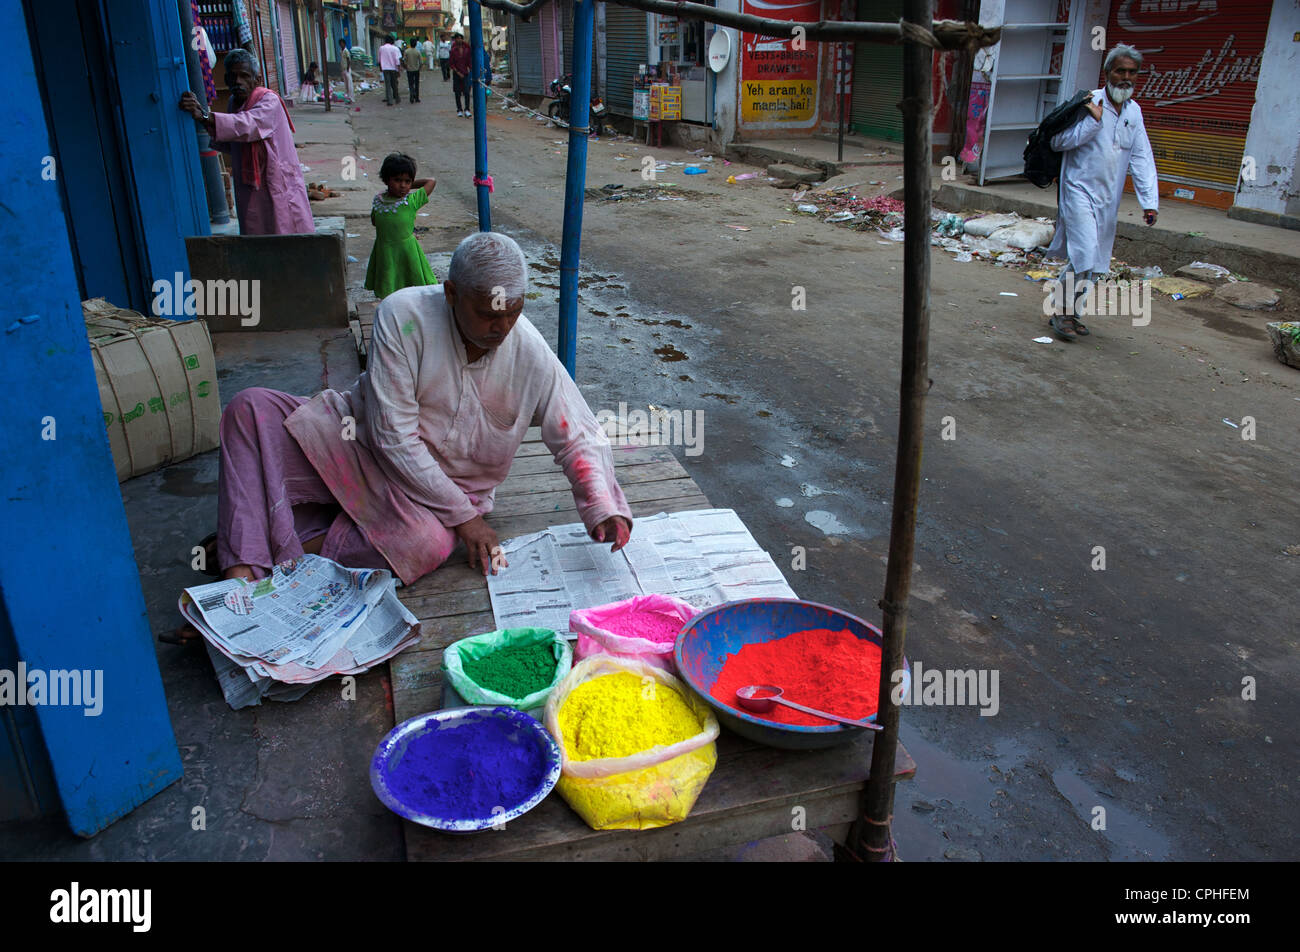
[625,51]
[288,50]
[1197,85]
[528,56]
[566,34]
[878,77]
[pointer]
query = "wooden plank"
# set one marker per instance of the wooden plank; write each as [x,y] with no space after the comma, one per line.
[752,794]
[527,503]
[556,481]
[543,462]
[536,522]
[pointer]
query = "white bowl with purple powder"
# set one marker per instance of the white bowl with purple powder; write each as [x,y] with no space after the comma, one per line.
[465,769]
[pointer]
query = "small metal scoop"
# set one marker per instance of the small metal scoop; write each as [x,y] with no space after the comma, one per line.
[759,698]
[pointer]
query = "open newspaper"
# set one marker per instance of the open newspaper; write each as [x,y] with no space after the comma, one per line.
[704,557]
[278,636]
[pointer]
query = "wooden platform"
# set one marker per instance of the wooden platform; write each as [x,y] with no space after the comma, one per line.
[753,793]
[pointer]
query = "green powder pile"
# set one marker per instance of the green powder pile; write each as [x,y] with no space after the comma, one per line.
[517,671]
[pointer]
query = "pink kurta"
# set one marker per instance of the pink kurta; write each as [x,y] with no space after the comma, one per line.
[424,437]
[280,206]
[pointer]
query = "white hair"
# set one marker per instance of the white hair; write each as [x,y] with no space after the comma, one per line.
[1121,50]
[242,57]
[488,260]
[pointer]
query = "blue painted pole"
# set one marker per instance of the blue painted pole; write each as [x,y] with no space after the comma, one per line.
[480,116]
[575,182]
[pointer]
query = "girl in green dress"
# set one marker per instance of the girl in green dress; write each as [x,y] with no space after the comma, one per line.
[396,260]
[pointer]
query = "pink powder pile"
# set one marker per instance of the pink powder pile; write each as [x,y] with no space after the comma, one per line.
[652,626]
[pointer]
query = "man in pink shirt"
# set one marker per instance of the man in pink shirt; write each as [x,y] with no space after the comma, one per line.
[270,196]
[390,58]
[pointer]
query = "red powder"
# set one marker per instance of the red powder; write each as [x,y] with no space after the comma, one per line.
[833,671]
[652,626]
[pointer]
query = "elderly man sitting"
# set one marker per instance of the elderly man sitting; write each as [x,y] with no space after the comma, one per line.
[270,196]
[399,469]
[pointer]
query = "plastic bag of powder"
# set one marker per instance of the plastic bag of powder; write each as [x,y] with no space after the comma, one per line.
[646,790]
[480,646]
[608,629]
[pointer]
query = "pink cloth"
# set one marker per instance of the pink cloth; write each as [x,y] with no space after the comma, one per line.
[280,206]
[270,500]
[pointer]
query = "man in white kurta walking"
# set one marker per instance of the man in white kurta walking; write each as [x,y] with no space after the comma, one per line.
[1107,143]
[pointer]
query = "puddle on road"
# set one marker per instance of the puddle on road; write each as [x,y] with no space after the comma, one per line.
[1131,837]
[826,522]
[668,353]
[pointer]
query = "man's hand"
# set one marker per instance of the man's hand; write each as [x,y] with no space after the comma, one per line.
[615,529]
[190,104]
[480,542]
[1095,109]
[1149,215]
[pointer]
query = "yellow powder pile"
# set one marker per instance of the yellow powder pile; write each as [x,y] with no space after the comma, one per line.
[617,715]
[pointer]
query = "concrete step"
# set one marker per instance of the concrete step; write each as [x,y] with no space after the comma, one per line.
[795,173]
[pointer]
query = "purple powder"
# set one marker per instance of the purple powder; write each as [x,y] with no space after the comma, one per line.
[463,770]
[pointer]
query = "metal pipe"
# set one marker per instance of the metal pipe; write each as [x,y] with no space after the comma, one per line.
[480,116]
[209,159]
[324,53]
[871,837]
[575,182]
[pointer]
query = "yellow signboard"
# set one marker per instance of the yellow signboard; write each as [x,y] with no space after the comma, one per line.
[778,100]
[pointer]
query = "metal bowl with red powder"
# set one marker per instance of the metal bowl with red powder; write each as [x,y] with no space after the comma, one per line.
[718,634]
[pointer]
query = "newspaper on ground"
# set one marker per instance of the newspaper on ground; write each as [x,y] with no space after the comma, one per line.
[704,557]
[307,621]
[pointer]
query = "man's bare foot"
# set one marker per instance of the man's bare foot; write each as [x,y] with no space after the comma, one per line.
[239,571]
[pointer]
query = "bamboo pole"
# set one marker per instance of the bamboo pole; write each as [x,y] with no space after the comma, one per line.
[871,837]
[479,99]
[950,34]
[324,54]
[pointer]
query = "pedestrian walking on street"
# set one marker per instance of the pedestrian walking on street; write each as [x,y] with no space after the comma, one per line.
[396,260]
[429,51]
[444,56]
[345,63]
[413,62]
[1106,143]
[270,196]
[389,60]
[460,68]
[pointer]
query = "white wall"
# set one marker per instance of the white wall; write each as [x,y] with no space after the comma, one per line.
[1273,140]
[727,85]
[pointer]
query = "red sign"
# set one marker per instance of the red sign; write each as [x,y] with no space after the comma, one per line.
[778,74]
[1200,65]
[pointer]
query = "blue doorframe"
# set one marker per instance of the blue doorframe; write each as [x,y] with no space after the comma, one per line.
[70,592]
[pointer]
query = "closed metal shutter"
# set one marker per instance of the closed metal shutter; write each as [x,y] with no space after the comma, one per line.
[566,35]
[625,51]
[878,77]
[527,56]
[288,50]
[1197,85]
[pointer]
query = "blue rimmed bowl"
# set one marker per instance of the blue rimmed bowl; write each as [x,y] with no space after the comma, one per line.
[402,786]
[709,638]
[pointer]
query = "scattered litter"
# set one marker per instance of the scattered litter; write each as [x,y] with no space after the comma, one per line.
[808,490]
[1148,274]
[1231,424]
[788,461]
[739,227]
[798,194]
[423,214]
[352,259]
[842,216]
[1008,294]
[963,256]
[1039,275]
[612,186]
[950,226]
[350,235]
[1196,234]
[985,225]
[894,234]
[694,170]
[785,502]
[807,209]
[1042,340]
[1177,297]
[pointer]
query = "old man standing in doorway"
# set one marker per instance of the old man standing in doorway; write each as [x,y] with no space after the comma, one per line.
[270,195]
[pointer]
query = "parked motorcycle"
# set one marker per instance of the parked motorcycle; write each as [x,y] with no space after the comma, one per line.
[561,92]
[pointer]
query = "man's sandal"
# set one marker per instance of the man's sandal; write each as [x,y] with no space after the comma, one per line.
[1079,328]
[1062,327]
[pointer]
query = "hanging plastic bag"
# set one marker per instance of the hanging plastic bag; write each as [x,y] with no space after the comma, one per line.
[609,629]
[648,789]
[478,647]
